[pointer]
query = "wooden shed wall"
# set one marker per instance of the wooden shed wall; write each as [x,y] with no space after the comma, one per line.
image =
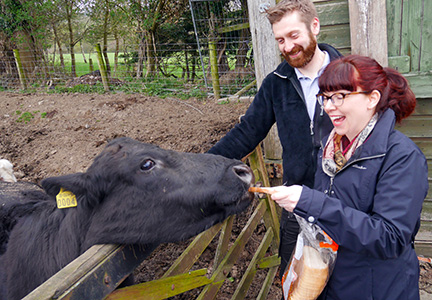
[409,31]
[335,27]
[419,128]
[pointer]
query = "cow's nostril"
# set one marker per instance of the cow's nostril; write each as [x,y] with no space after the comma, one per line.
[245,173]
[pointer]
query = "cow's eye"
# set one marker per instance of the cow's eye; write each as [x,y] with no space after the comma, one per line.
[147,165]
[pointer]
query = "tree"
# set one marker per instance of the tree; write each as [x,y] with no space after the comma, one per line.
[71,11]
[149,15]
[23,25]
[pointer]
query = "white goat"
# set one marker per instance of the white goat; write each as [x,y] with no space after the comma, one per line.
[6,171]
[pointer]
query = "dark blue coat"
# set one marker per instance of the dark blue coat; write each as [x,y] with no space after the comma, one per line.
[371,208]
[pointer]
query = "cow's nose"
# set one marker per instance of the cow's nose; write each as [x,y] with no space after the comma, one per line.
[244,173]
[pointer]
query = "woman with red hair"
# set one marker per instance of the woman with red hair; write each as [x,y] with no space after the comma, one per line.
[370,183]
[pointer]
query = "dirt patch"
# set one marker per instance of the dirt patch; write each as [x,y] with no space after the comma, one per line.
[50,135]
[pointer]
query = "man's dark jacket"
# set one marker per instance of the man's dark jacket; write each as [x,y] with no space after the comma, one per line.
[280,99]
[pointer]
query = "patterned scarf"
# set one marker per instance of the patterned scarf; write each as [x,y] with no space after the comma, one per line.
[338,156]
[334,158]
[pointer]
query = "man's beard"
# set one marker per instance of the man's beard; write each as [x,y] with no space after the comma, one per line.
[305,56]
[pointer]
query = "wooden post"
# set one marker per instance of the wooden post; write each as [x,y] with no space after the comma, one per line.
[91,65]
[214,69]
[368,26]
[265,50]
[102,68]
[267,58]
[21,73]
[214,56]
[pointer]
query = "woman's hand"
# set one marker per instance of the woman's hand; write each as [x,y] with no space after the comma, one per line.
[287,197]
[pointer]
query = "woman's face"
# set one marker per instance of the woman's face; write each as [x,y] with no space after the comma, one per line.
[355,112]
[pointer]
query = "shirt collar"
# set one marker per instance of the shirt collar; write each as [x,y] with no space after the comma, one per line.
[320,71]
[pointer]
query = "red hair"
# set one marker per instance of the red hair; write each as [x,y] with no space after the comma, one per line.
[353,71]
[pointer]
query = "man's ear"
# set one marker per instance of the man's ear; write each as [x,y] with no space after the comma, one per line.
[374,98]
[315,26]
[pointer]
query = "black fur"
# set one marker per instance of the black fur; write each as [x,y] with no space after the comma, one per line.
[133,193]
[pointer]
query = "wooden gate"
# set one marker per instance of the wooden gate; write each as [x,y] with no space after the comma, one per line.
[96,273]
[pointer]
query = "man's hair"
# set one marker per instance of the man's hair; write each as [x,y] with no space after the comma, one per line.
[305,8]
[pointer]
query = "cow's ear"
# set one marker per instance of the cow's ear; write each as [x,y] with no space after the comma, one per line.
[75,183]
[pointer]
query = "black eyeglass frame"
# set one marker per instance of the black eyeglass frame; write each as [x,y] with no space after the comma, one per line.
[322,99]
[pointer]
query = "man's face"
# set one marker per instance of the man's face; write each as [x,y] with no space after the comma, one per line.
[297,43]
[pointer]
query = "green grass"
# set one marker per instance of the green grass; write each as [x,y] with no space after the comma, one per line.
[25,117]
[83,68]
[159,85]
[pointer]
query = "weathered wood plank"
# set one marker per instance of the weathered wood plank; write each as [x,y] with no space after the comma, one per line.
[425,146]
[162,288]
[269,262]
[424,106]
[266,52]
[94,274]
[416,126]
[246,281]
[337,36]
[426,47]
[425,232]
[400,63]
[420,84]
[333,13]
[334,20]
[192,253]
[404,26]
[266,57]
[414,32]
[429,194]
[394,21]
[210,291]
[368,29]
[427,210]
[429,163]
[232,28]
[423,244]
[424,248]
[224,241]
[271,274]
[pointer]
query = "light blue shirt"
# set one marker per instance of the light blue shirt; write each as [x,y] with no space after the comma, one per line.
[310,86]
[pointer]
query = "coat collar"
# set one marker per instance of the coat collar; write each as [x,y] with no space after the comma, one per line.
[377,142]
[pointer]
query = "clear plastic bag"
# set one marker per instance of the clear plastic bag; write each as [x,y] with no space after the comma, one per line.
[310,265]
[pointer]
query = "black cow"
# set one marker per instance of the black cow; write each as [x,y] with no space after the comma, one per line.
[133,193]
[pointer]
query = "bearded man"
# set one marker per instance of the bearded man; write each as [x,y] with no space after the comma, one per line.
[287,96]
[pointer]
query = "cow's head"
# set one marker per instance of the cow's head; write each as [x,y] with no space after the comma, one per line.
[140,193]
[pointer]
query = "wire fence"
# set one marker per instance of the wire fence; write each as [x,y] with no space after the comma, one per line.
[216,59]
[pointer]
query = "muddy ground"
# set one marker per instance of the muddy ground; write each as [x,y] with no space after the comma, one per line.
[47,135]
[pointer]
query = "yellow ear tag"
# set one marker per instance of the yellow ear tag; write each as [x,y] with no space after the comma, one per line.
[66,199]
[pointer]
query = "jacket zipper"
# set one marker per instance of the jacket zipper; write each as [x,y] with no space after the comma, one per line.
[300,92]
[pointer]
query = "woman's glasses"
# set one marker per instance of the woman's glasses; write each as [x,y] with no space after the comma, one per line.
[337,98]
